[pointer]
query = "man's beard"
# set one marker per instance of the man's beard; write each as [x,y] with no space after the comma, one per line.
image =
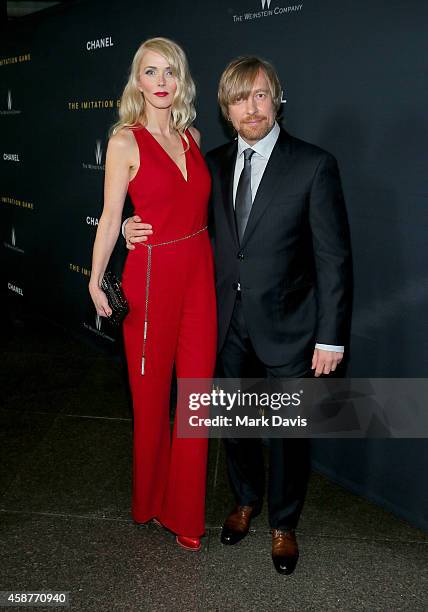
[257,131]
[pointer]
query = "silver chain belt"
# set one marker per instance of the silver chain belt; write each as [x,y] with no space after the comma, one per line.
[149,267]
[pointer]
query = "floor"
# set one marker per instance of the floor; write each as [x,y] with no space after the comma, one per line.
[65,524]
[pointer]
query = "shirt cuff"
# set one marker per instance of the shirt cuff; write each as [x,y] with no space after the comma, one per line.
[123,227]
[330,347]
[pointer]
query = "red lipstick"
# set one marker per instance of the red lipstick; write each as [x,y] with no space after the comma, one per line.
[161,94]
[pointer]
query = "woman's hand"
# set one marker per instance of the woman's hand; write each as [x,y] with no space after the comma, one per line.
[100,301]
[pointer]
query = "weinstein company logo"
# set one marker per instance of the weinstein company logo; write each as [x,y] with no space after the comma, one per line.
[98,328]
[98,154]
[267,10]
[12,244]
[10,110]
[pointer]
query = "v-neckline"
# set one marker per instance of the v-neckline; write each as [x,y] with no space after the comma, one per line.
[185,178]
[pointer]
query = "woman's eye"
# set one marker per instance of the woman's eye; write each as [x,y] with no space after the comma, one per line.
[169,73]
[150,72]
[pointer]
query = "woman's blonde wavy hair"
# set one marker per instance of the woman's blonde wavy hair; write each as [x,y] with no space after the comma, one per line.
[132,103]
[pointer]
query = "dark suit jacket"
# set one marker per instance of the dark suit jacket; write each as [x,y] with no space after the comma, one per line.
[294,260]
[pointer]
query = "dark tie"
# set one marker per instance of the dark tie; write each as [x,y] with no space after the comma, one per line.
[243,201]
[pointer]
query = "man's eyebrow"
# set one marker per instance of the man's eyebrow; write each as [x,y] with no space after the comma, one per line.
[261,89]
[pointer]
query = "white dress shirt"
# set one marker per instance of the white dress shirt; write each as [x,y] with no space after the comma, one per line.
[262,152]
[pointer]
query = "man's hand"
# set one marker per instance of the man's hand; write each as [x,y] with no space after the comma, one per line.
[324,362]
[136,231]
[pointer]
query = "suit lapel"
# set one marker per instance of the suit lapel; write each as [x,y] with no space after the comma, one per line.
[277,167]
[226,178]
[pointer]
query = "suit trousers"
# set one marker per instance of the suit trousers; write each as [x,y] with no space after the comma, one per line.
[289,458]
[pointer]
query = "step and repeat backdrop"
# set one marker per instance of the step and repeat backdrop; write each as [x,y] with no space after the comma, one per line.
[354,82]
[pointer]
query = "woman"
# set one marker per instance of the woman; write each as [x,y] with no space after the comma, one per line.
[153,154]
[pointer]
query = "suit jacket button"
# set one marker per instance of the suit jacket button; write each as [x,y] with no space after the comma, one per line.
[240,255]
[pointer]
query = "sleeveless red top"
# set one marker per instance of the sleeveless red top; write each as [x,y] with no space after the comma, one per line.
[173,206]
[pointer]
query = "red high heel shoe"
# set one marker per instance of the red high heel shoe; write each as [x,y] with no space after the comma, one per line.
[184,541]
[188,543]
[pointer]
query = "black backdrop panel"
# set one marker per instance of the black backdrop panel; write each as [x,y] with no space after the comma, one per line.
[353,82]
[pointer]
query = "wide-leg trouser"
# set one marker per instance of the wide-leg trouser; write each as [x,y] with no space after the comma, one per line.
[169,473]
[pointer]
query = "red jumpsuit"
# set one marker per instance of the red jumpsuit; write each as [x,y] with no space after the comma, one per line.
[177,298]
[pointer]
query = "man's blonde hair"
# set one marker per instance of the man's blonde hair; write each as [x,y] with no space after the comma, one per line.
[238,78]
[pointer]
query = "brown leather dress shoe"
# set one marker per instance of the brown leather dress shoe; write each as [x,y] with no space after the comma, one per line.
[237,525]
[285,551]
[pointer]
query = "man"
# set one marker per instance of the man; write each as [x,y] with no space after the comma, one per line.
[282,256]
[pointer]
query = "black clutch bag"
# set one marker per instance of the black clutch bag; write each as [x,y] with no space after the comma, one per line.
[115,297]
